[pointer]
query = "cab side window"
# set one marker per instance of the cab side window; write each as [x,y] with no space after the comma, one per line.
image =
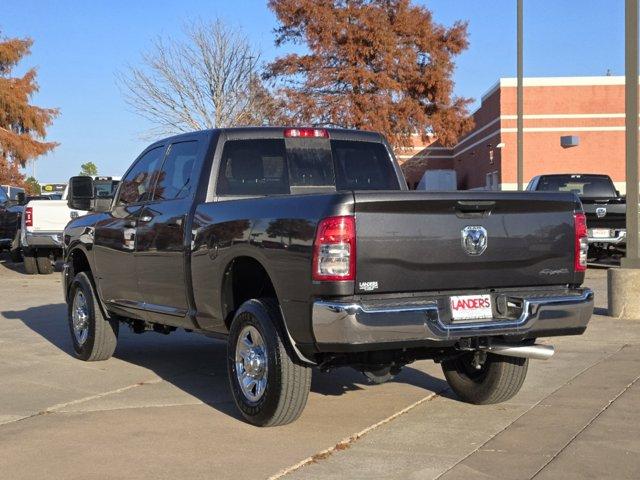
[139,181]
[175,179]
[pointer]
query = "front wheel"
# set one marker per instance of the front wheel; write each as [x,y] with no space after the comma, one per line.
[495,380]
[94,336]
[269,386]
[16,255]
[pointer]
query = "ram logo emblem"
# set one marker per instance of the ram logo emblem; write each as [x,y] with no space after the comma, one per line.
[474,240]
[601,212]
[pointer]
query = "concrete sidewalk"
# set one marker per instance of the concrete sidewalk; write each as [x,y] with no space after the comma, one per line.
[578,416]
[161,408]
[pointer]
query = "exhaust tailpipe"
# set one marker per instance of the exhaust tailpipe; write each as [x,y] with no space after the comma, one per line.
[537,352]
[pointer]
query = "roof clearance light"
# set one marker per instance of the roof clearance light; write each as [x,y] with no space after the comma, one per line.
[305,133]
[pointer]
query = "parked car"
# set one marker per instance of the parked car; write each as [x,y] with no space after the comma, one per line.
[438,181]
[42,225]
[302,247]
[603,205]
[12,191]
[10,220]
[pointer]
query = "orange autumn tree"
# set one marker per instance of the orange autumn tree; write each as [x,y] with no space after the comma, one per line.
[22,126]
[380,65]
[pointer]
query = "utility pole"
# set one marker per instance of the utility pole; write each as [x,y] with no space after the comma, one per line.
[632,258]
[519,100]
[623,283]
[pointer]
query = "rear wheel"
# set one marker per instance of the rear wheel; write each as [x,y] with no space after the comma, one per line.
[94,336]
[270,387]
[495,380]
[45,264]
[30,264]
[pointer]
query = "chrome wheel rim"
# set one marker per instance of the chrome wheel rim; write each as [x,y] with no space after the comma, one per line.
[80,317]
[251,363]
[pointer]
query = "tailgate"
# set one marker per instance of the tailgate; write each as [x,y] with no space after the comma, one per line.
[49,215]
[605,213]
[413,241]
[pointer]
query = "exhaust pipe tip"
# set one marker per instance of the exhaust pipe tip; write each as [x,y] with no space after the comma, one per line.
[536,351]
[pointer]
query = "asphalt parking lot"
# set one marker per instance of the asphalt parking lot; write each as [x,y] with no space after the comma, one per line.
[161,408]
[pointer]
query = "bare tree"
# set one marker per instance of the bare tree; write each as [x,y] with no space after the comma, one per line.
[209,80]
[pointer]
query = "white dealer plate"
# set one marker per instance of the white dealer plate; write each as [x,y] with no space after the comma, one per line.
[471,307]
[600,233]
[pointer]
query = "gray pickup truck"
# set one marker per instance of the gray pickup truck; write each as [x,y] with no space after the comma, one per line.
[302,247]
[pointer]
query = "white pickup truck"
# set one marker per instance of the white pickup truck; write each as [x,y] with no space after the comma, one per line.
[43,222]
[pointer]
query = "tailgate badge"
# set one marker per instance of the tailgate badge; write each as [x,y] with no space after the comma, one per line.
[368,286]
[474,240]
[601,212]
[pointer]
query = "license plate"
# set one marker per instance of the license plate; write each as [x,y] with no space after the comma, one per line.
[601,233]
[471,307]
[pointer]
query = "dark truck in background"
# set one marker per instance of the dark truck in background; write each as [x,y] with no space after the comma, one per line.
[303,247]
[603,205]
[11,212]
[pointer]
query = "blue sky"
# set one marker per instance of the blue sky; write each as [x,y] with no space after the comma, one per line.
[80,45]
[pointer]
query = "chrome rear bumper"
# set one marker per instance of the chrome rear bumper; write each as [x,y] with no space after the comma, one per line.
[619,237]
[41,239]
[337,323]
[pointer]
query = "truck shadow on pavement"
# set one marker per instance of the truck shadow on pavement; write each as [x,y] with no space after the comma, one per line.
[18,267]
[193,363]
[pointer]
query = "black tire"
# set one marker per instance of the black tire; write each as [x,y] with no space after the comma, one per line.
[287,380]
[102,333]
[45,265]
[499,379]
[30,264]
[15,254]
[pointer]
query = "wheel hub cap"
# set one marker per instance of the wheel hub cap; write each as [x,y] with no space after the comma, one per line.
[251,363]
[80,317]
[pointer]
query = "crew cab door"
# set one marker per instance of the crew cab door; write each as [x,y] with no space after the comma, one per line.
[162,245]
[115,235]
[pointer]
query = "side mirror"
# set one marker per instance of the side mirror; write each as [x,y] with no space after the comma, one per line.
[80,193]
[21,198]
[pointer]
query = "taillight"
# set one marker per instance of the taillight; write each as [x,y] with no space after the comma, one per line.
[28,217]
[306,133]
[581,242]
[334,249]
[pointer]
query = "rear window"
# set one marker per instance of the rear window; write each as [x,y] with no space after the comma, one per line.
[274,166]
[583,185]
[253,167]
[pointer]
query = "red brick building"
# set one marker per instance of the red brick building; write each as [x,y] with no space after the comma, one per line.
[589,109]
